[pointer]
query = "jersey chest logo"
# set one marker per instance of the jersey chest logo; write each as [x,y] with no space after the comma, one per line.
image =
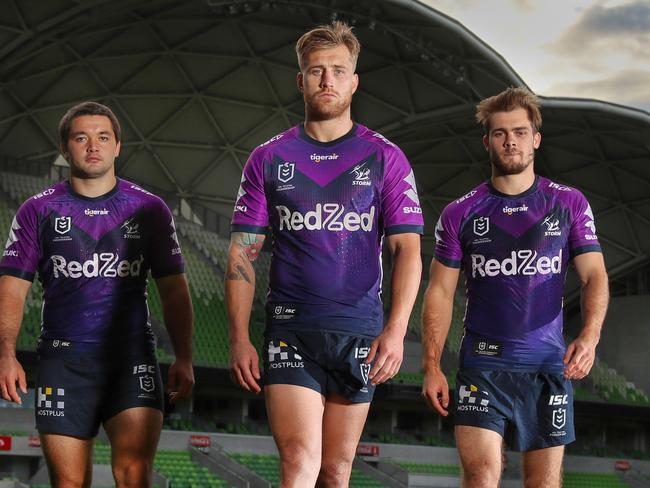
[481,226]
[286,171]
[62,225]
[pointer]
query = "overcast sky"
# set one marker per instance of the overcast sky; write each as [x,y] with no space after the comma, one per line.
[578,48]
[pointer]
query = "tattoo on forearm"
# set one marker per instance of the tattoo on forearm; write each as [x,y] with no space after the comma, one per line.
[240,267]
[251,244]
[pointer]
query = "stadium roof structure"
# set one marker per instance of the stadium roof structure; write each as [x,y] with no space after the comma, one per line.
[198,84]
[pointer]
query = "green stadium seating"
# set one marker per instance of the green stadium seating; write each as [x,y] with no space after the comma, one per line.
[422,468]
[268,467]
[592,480]
[176,466]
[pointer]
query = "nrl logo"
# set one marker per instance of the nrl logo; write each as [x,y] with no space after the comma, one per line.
[286,172]
[365,370]
[481,226]
[62,224]
[559,418]
[147,384]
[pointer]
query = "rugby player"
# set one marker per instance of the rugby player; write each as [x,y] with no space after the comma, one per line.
[513,236]
[92,240]
[331,190]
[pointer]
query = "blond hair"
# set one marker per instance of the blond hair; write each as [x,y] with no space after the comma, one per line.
[507,101]
[328,36]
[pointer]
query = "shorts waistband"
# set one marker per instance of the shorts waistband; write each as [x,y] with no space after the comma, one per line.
[60,346]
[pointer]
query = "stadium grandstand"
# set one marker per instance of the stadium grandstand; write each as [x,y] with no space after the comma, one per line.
[197,85]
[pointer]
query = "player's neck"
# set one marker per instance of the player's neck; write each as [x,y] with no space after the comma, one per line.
[513,184]
[328,130]
[93,187]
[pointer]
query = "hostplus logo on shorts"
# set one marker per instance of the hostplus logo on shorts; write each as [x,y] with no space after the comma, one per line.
[50,402]
[471,399]
[279,356]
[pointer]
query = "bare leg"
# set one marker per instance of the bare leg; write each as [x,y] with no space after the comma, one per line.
[296,419]
[543,467]
[342,426]
[134,435]
[480,456]
[69,460]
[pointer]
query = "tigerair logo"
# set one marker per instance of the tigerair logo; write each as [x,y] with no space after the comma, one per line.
[326,216]
[50,401]
[101,265]
[522,262]
[511,210]
[93,213]
[317,158]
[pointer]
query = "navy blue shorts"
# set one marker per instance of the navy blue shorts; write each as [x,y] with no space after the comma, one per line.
[77,390]
[327,362]
[529,410]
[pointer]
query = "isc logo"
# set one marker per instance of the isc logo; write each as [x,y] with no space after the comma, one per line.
[558,400]
[144,368]
[361,352]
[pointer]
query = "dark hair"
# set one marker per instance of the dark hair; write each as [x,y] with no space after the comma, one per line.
[86,108]
[328,36]
[507,101]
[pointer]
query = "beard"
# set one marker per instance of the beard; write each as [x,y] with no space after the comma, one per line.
[319,110]
[512,167]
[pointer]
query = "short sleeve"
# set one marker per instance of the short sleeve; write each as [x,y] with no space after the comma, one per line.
[251,213]
[448,249]
[166,255]
[400,202]
[21,254]
[582,237]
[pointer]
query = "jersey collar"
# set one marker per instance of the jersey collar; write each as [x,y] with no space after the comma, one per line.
[100,198]
[306,137]
[530,190]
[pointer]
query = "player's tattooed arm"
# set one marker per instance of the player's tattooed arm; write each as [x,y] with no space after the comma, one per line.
[244,249]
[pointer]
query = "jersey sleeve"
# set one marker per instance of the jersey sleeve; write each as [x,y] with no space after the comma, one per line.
[21,254]
[251,212]
[582,237]
[166,255]
[448,249]
[401,209]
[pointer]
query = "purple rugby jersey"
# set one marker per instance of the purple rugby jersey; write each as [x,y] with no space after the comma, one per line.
[514,251]
[329,206]
[92,256]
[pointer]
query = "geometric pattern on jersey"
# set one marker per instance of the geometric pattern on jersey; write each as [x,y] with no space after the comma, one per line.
[92,256]
[328,206]
[514,251]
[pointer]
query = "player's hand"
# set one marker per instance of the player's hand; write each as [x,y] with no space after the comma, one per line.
[387,351]
[11,372]
[180,380]
[244,366]
[435,390]
[579,357]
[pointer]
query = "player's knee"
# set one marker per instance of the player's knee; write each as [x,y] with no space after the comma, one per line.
[334,474]
[133,474]
[298,458]
[542,480]
[69,480]
[480,474]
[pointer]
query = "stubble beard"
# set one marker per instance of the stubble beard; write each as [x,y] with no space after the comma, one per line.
[319,111]
[503,168]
